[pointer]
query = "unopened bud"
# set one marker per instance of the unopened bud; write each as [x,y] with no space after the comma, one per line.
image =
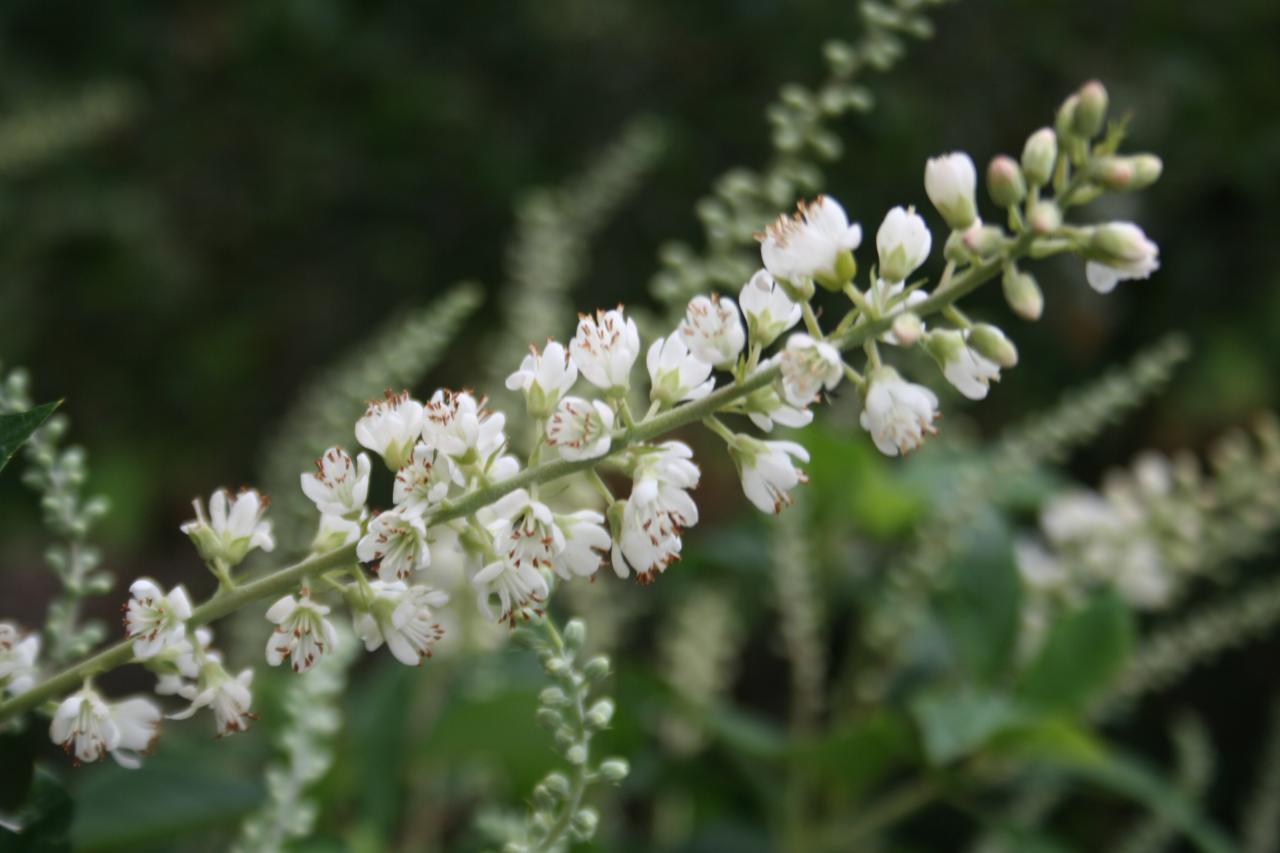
[600,714]
[1045,218]
[614,770]
[557,784]
[1147,169]
[548,718]
[597,667]
[907,328]
[983,240]
[574,634]
[1091,110]
[1114,173]
[576,754]
[554,665]
[989,341]
[553,697]
[585,822]
[1039,155]
[944,345]
[1023,294]
[1064,123]
[1005,182]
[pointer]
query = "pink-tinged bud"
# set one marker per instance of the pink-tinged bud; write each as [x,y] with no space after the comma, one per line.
[1005,182]
[907,328]
[1045,218]
[1023,294]
[983,240]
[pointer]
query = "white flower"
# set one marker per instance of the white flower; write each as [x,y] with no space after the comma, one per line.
[1039,569]
[390,427]
[178,665]
[229,533]
[605,348]
[334,532]
[519,589]
[397,540]
[656,513]
[302,633]
[712,330]
[1121,252]
[903,242]
[808,366]
[809,244]
[964,367]
[582,429]
[950,182]
[765,408]
[897,413]
[458,425]
[525,532]
[17,658]
[675,373]
[585,544]
[768,474]
[86,727]
[339,486]
[230,698]
[768,309]
[154,620]
[544,378]
[404,618]
[424,481]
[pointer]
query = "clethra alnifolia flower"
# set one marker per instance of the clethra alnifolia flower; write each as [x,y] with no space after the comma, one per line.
[816,243]
[339,486]
[605,348]
[390,428]
[233,528]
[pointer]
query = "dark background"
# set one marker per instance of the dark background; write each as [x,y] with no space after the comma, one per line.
[290,174]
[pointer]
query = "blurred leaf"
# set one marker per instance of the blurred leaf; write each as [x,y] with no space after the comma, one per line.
[956,723]
[1048,738]
[17,428]
[851,480]
[45,818]
[1084,650]
[745,732]
[982,603]
[1133,779]
[17,757]
[378,712]
[855,754]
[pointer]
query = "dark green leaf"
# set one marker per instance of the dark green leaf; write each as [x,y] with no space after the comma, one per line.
[954,724]
[1048,738]
[17,428]
[853,755]
[1084,650]
[45,819]
[981,605]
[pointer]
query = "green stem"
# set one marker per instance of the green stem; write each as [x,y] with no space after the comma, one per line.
[811,321]
[581,775]
[285,579]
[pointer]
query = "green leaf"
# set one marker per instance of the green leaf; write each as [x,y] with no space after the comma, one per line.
[855,754]
[1047,738]
[956,723]
[1133,779]
[15,429]
[1083,652]
[45,818]
[981,605]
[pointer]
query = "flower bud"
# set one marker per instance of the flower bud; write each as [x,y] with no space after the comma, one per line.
[575,633]
[557,784]
[944,345]
[1147,169]
[907,328]
[1091,110]
[950,181]
[596,668]
[554,665]
[553,697]
[1114,173]
[1045,218]
[1023,294]
[548,718]
[566,737]
[614,770]
[1039,155]
[1064,123]
[1005,182]
[585,822]
[576,754]
[990,342]
[983,240]
[600,714]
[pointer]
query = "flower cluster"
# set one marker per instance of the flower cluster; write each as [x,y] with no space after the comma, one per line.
[761,356]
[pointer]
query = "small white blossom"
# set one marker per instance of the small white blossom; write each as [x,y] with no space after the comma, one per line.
[424,481]
[897,413]
[302,633]
[154,620]
[339,486]
[964,367]
[765,408]
[519,589]
[657,512]
[1126,254]
[178,665]
[390,427]
[712,330]
[525,532]
[809,366]
[404,618]
[950,182]
[581,429]
[334,532]
[458,425]
[17,658]
[544,378]
[397,541]
[605,348]
[229,698]
[87,727]
[768,309]
[675,373]
[903,243]
[768,473]
[809,244]
[585,544]
[233,528]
